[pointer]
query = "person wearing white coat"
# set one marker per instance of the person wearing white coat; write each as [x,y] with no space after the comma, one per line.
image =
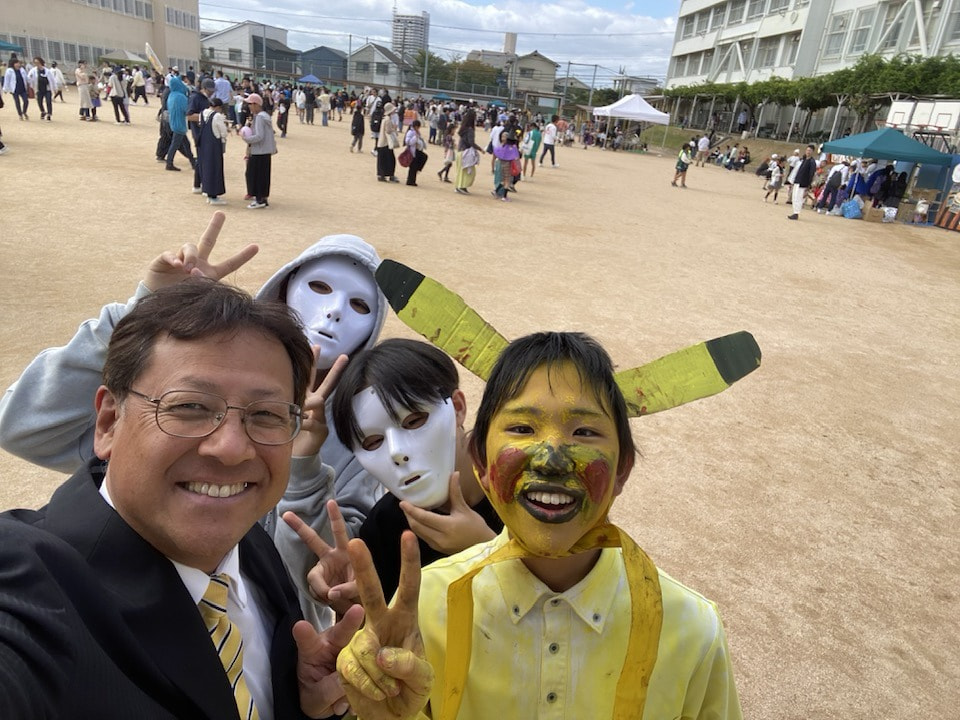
[15,82]
[44,84]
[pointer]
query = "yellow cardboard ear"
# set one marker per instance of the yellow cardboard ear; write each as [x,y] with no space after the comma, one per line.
[445,319]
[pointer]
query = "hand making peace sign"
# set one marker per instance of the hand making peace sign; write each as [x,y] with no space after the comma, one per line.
[193,260]
[331,579]
[383,669]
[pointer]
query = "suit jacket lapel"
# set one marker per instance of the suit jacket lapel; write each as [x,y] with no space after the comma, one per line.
[160,637]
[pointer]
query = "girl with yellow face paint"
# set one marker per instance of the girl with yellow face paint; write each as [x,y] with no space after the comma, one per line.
[561,608]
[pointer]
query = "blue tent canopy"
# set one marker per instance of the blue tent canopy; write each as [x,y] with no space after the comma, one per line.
[887,144]
[9,47]
[310,79]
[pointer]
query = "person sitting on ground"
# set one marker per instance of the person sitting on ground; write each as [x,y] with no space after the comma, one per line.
[562,607]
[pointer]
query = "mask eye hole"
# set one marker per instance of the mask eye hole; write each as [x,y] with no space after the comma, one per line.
[414,420]
[371,442]
[360,306]
[320,287]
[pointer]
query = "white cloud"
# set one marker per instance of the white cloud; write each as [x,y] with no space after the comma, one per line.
[565,30]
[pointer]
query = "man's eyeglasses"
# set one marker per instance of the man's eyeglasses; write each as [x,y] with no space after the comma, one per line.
[194,414]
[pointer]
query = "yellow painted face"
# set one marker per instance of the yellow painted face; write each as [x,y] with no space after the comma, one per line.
[552,455]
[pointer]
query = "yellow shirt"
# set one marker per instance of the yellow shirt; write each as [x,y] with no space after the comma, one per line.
[538,654]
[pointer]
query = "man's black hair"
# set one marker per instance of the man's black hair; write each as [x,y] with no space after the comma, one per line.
[403,373]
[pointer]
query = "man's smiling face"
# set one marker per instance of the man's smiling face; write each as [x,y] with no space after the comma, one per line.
[552,455]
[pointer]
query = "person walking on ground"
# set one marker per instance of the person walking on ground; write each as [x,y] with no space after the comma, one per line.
[83,89]
[310,103]
[139,86]
[356,129]
[683,164]
[836,178]
[44,85]
[703,150]
[414,142]
[15,83]
[449,154]
[324,103]
[118,94]
[776,178]
[549,141]
[263,146]
[468,152]
[529,148]
[177,117]
[806,171]
[61,81]
[386,141]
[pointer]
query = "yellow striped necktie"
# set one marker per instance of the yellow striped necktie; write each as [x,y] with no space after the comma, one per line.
[228,643]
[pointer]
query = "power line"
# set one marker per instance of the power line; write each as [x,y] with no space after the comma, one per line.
[444,27]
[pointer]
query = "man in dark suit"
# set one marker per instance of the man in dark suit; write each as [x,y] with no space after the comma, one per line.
[99,590]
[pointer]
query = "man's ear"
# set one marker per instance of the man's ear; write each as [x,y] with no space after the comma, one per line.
[108,413]
[623,472]
[459,406]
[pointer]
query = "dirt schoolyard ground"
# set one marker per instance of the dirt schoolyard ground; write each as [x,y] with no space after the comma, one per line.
[816,501]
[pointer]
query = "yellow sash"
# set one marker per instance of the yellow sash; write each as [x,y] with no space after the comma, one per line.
[645,621]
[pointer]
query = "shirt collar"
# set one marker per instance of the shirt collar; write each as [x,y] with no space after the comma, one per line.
[197,581]
[591,599]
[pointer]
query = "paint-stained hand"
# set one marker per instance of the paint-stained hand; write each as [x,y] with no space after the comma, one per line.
[331,579]
[313,428]
[321,693]
[194,260]
[383,669]
[449,533]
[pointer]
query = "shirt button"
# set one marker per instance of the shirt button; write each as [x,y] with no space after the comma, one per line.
[551,697]
[596,617]
[554,647]
[516,609]
[555,602]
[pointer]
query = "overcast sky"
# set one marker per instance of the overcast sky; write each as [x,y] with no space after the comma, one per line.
[636,35]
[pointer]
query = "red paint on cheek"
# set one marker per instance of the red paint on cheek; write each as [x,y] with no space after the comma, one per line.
[596,476]
[504,472]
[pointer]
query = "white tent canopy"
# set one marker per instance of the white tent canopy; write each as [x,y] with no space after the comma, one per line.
[633,107]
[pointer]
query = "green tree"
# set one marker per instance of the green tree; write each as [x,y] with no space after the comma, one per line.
[475,72]
[437,67]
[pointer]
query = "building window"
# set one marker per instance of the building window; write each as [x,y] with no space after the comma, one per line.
[70,52]
[703,22]
[793,47]
[55,50]
[363,67]
[717,15]
[681,66]
[861,33]
[755,9]
[526,73]
[778,6]
[37,47]
[687,27]
[706,60]
[148,11]
[736,12]
[836,33]
[767,52]
[383,68]
[235,55]
[893,21]
[746,49]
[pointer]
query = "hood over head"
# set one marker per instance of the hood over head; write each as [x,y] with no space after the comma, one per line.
[177,85]
[350,246]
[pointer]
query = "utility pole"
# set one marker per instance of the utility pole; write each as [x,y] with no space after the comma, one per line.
[593,82]
[566,81]
[349,54]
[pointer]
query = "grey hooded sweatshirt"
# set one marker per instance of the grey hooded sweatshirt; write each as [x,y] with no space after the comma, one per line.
[47,418]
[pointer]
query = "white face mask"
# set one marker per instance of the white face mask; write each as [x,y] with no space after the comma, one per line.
[414,458]
[336,298]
